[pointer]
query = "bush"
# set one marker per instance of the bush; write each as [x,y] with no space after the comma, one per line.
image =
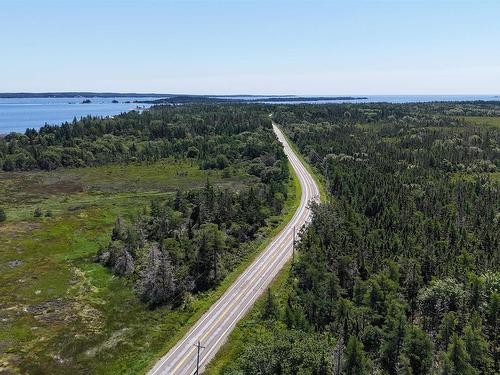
[3,215]
[38,212]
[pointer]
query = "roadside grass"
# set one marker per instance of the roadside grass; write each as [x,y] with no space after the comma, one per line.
[62,313]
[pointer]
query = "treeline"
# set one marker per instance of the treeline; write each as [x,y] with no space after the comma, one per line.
[400,271]
[209,134]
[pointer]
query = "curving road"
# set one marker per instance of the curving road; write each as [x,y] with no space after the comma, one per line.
[213,328]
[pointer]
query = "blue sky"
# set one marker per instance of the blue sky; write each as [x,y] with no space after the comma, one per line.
[251,46]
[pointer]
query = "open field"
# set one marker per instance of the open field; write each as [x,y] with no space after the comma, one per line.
[59,308]
[480,120]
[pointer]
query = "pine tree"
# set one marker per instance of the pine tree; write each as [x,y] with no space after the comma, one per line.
[119,230]
[394,332]
[156,284]
[417,348]
[458,357]
[124,263]
[271,309]
[355,358]
[447,328]
[477,346]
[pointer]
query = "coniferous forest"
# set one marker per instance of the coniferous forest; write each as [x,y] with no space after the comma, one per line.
[399,271]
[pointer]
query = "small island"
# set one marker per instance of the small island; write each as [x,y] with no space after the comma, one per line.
[115,101]
[87,101]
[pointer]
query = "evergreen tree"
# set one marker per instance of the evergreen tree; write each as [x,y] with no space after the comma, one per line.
[447,329]
[356,362]
[458,358]
[417,348]
[477,346]
[394,332]
[119,230]
[270,309]
[156,284]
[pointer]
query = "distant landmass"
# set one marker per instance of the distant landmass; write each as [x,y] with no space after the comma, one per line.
[178,99]
[182,99]
[309,98]
[8,95]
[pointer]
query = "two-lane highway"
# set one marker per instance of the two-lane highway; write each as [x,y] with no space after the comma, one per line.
[213,328]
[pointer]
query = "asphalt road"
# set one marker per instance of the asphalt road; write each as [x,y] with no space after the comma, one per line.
[213,328]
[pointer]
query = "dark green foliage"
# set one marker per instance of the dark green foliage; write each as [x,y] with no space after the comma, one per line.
[215,136]
[3,215]
[417,350]
[288,352]
[38,212]
[394,331]
[355,358]
[478,347]
[271,309]
[195,244]
[457,358]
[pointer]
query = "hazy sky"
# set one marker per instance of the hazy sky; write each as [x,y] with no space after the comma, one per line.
[251,46]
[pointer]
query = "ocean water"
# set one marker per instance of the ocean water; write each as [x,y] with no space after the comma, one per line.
[17,114]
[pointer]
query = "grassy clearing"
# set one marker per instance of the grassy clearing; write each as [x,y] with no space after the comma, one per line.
[494,176]
[62,313]
[490,121]
[163,176]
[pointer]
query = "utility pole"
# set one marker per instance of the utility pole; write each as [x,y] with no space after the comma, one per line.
[293,245]
[198,357]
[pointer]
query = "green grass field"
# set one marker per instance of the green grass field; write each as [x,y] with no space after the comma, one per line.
[483,121]
[60,312]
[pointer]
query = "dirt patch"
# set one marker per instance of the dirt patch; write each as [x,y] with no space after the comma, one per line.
[19,228]
[53,311]
[54,188]
[40,183]
[115,339]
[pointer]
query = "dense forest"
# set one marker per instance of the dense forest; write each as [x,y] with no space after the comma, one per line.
[398,272]
[161,132]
